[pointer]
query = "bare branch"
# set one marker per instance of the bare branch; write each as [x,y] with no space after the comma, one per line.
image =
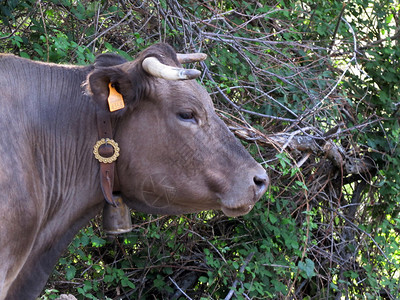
[241,270]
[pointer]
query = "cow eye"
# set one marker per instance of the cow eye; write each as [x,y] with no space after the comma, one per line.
[187,117]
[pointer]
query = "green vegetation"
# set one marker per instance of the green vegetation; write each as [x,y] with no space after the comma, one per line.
[314,87]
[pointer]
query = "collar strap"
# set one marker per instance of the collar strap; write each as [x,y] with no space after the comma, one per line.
[106,151]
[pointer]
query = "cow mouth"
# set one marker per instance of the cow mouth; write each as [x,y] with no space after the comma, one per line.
[236,211]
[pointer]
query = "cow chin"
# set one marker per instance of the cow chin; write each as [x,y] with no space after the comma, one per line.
[236,211]
[144,207]
[168,209]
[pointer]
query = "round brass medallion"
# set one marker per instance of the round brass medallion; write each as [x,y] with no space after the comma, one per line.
[103,159]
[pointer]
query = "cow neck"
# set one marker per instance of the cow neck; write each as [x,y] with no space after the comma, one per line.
[108,178]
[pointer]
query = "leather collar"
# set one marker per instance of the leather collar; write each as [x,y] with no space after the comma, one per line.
[106,151]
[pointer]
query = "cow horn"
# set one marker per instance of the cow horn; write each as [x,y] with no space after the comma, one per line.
[191,57]
[154,67]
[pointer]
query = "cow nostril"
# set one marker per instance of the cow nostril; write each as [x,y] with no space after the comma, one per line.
[261,182]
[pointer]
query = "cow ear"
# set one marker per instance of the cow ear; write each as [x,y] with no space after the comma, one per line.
[108,60]
[105,80]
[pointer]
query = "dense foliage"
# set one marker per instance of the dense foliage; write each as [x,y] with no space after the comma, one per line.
[311,88]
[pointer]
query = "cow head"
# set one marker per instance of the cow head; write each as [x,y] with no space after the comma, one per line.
[176,155]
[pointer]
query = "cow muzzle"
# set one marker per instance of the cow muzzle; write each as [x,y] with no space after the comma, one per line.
[254,189]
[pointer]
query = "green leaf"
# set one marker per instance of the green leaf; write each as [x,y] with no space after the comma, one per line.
[70,272]
[301,184]
[272,218]
[24,55]
[108,278]
[125,282]
[307,267]
[98,242]
[203,279]
[235,265]
[159,282]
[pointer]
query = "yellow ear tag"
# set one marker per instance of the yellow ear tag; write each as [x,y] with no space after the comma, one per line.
[115,99]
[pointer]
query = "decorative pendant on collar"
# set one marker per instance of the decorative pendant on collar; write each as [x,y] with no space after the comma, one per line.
[106,150]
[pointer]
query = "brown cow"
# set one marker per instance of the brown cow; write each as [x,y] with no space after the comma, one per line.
[176,156]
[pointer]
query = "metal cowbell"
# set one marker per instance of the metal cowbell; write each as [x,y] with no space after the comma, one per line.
[116,219]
